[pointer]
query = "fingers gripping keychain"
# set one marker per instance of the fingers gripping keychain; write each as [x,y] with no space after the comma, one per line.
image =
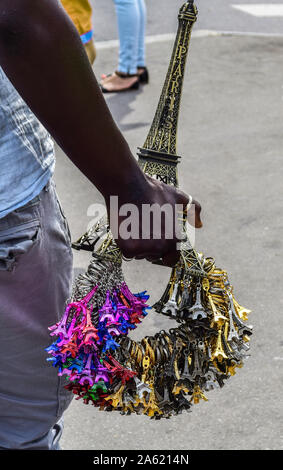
[164,374]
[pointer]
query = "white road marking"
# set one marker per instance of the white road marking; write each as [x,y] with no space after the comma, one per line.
[262,10]
[199,33]
[149,40]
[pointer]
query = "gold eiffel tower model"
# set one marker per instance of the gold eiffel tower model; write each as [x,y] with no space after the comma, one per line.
[158,157]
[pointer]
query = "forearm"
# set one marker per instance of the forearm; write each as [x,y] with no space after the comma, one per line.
[42,54]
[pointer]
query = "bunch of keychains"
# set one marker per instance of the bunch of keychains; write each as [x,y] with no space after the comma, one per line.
[164,374]
[161,375]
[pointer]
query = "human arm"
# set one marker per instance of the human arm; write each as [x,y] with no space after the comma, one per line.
[42,55]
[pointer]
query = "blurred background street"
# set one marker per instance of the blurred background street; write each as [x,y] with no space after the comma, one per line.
[231,141]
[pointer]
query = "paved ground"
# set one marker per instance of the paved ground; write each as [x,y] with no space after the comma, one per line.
[230,136]
[217,15]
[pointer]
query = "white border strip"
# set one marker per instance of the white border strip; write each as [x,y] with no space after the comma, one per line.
[245,33]
[149,40]
[261,10]
[199,33]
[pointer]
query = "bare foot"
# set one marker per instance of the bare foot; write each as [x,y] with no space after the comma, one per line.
[115,83]
[140,71]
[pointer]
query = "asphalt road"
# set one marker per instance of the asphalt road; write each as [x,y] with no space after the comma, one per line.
[230,137]
[213,15]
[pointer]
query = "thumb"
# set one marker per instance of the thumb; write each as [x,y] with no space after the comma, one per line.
[193,215]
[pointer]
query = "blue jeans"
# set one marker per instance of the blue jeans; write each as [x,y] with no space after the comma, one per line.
[35,283]
[131,16]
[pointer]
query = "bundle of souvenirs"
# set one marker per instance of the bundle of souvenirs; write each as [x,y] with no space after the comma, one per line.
[166,373]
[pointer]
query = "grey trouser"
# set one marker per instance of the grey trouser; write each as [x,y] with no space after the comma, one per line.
[35,282]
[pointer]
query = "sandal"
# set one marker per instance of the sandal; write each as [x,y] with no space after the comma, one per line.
[143,76]
[134,86]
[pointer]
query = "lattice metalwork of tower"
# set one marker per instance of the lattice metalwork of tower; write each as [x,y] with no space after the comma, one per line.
[158,156]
